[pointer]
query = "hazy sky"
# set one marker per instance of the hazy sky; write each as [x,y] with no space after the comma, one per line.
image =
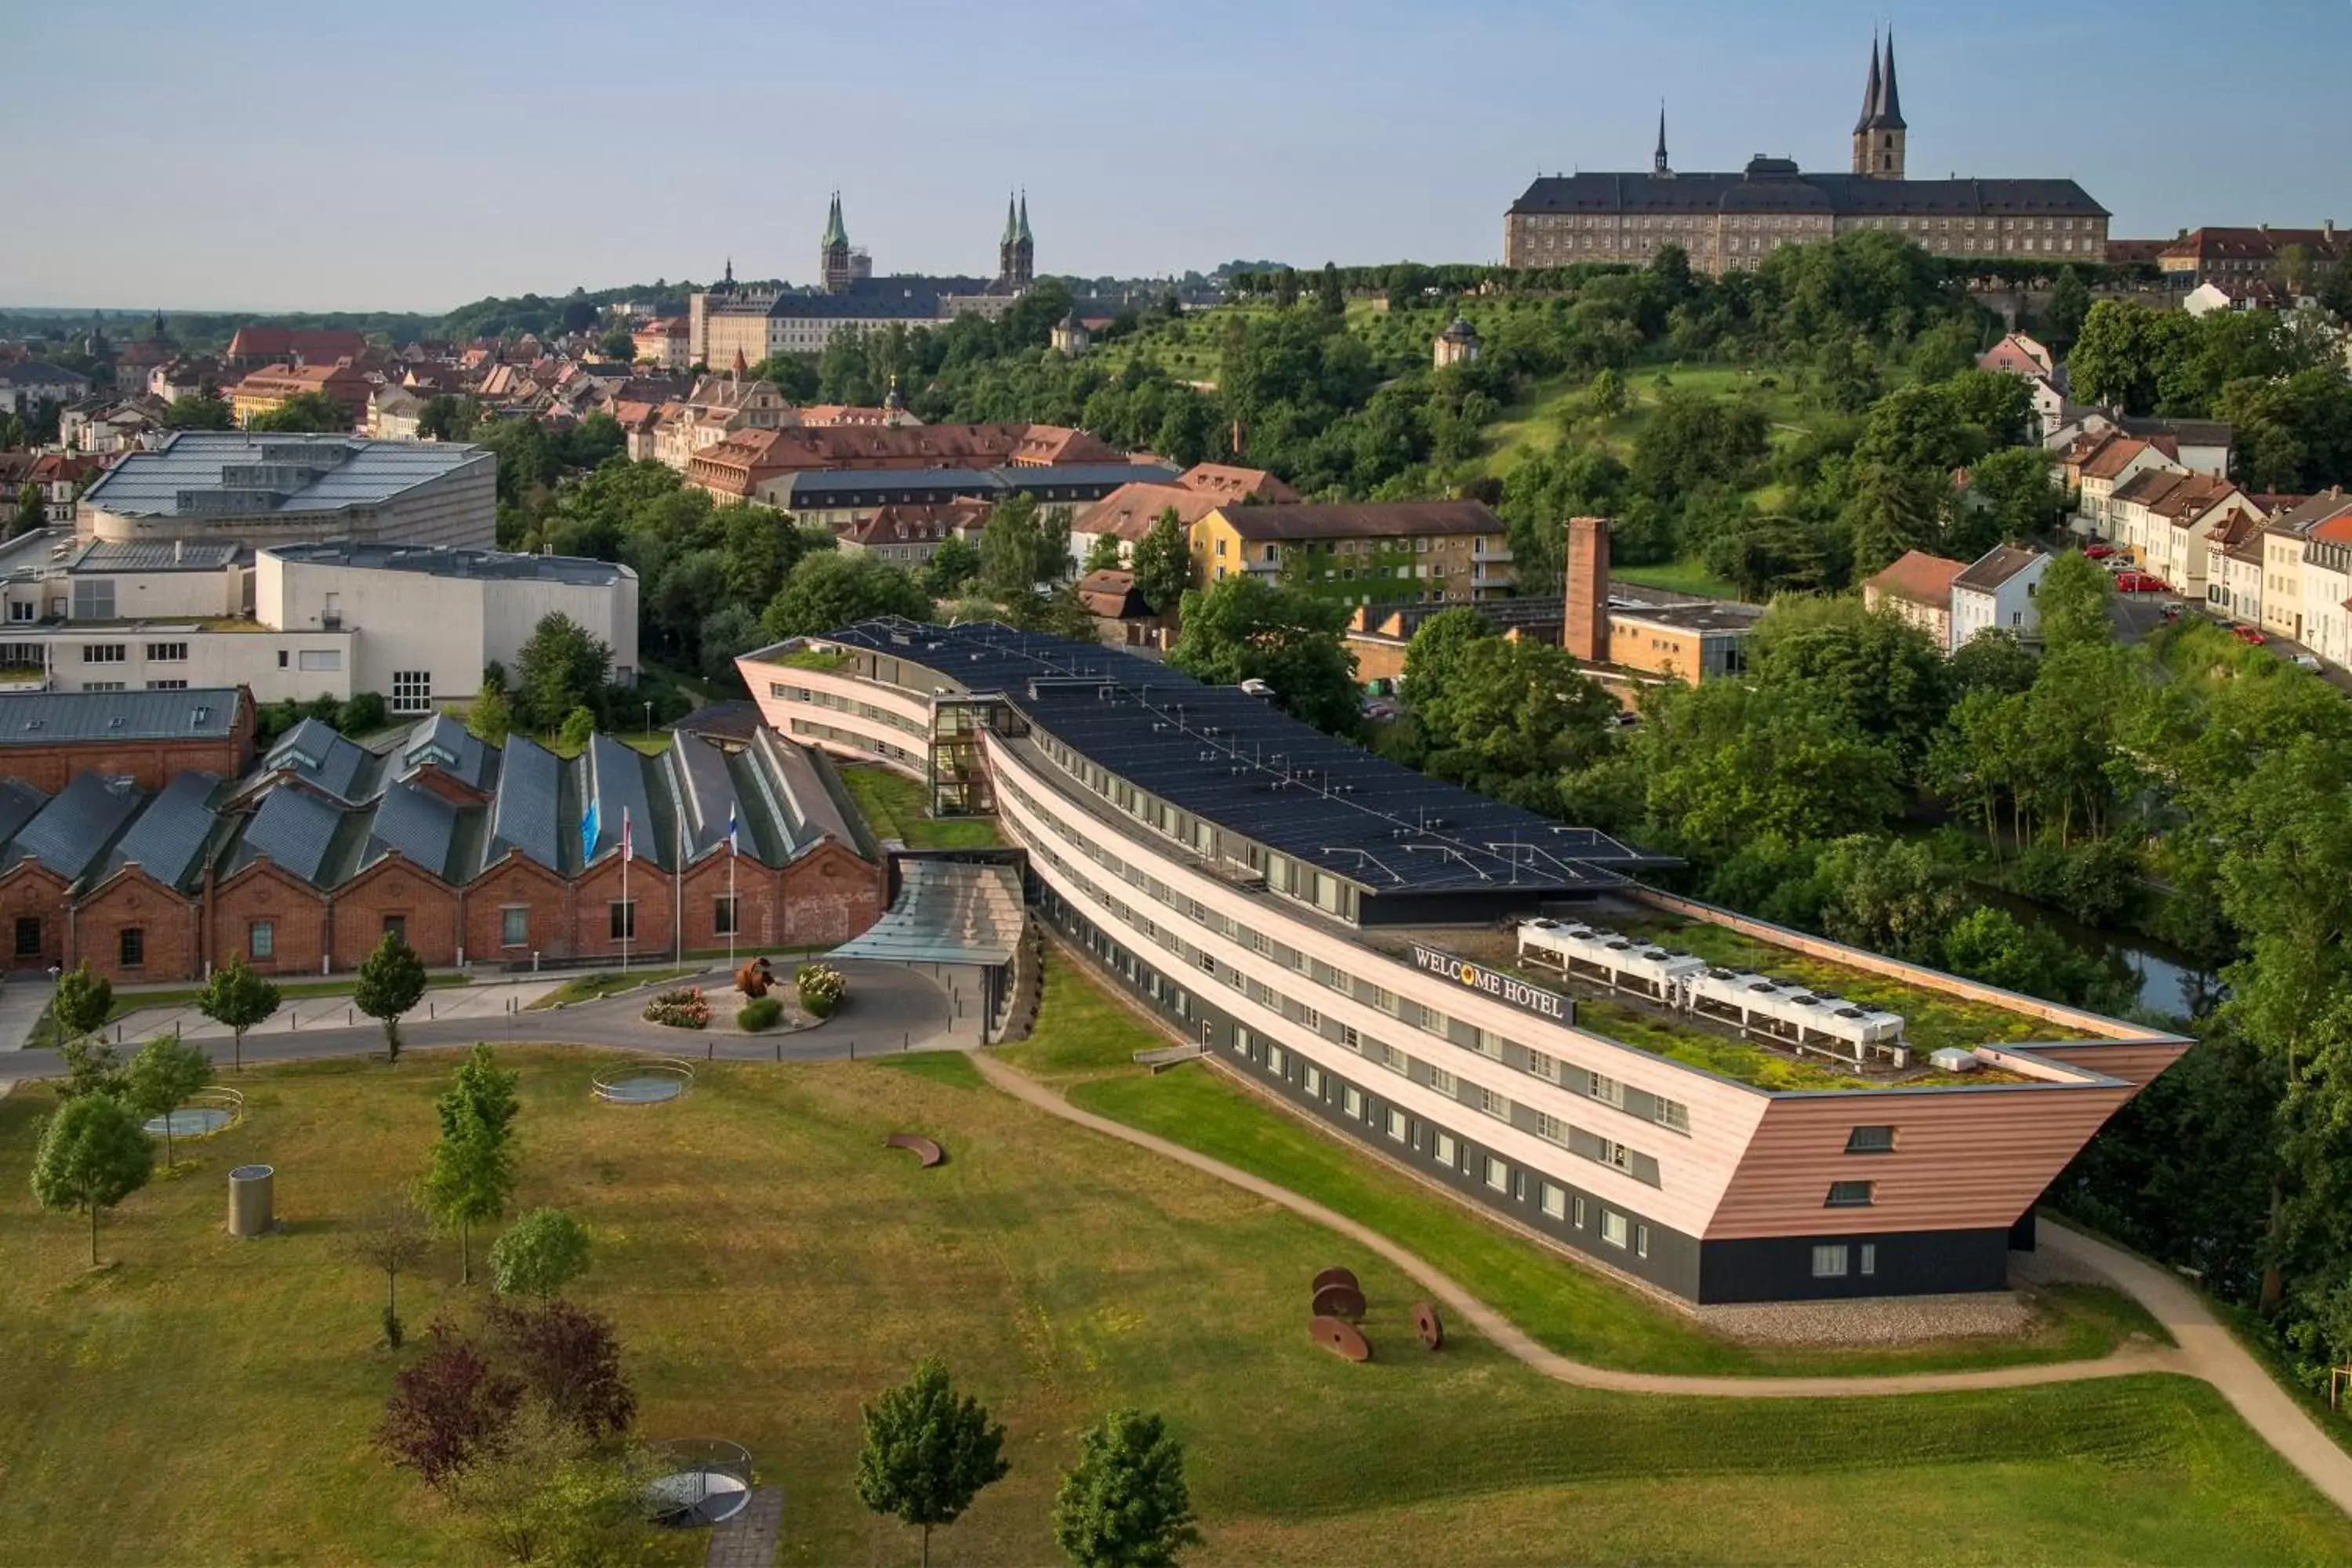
[419,154]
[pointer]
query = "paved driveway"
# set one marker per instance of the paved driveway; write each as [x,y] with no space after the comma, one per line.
[891,1007]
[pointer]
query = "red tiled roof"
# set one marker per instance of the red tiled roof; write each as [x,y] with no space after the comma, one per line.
[1921,578]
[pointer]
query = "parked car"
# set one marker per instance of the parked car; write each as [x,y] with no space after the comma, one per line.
[2247,635]
[2140,582]
[2306,660]
[2097,552]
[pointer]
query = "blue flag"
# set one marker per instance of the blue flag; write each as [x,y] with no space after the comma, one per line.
[588,834]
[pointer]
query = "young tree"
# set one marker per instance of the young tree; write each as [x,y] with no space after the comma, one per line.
[390,982]
[2073,596]
[928,1451]
[32,510]
[570,1359]
[1102,556]
[81,1004]
[305,413]
[1163,565]
[471,1175]
[2070,302]
[160,1078]
[447,1409]
[540,1253]
[544,1496]
[393,1239]
[237,998]
[1241,628]
[491,718]
[199,411]
[829,589]
[558,669]
[92,1155]
[1329,298]
[952,565]
[578,729]
[1126,1504]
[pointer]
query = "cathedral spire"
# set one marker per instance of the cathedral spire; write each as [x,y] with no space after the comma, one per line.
[1870,90]
[1658,159]
[1011,226]
[1890,101]
[1026,237]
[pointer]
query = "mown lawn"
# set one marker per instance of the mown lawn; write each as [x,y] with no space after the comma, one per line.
[1085,1041]
[769,1264]
[612,982]
[893,808]
[129,1002]
[1677,577]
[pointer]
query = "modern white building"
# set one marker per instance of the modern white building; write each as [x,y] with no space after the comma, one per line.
[294,621]
[28,384]
[427,620]
[1999,592]
[259,490]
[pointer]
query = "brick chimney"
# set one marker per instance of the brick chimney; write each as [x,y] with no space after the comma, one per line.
[1585,632]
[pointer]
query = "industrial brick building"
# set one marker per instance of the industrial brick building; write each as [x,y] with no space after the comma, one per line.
[158,856]
[1486,998]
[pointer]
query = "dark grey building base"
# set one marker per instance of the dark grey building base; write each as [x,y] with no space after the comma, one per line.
[1765,1268]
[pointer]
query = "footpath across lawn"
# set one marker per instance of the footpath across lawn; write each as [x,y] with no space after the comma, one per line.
[769,1264]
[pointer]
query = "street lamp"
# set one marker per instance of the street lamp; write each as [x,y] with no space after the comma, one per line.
[649,719]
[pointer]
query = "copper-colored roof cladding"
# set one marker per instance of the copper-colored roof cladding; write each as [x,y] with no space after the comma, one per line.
[1922,578]
[1228,482]
[743,460]
[1131,511]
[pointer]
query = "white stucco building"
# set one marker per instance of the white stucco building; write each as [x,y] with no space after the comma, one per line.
[1999,592]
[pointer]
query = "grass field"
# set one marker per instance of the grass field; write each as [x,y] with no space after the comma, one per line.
[1084,1042]
[893,808]
[1678,577]
[129,1002]
[592,987]
[1533,423]
[769,1264]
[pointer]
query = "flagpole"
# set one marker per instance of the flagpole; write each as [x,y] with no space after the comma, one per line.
[628,909]
[678,893]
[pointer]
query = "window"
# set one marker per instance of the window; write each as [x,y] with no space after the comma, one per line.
[1870,1140]
[1447,1153]
[1641,1241]
[1848,1195]
[320,659]
[21,610]
[167,686]
[1440,1080]
[1494,1105]
[396,925]
[1670,1113]
[130,947]
[1869,1258]
[167,653]
[101,686]
[93,599]
[1349,1038]
[722,916]
[1277,1061]
[1608,1090]
[412,690]
[1829,1262]
[28,936]
[1555,1201]
[101,653]
[261,939]
[1551,1127]
[621,919]
[1498,1175]
[1311,1080]
[1578,1211]
[1616,1155]
[1397,1125]
[1352,1102]
[1614,1227]
[514,925]
[1543,1067]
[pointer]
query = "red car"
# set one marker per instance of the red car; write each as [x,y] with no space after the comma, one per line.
[2097,552]
[2140,582]
[2247,635]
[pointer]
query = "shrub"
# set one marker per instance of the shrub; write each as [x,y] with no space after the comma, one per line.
[759,1013]
[822,989]
[685,1008]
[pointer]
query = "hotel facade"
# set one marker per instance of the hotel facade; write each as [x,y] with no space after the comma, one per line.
[1414,966]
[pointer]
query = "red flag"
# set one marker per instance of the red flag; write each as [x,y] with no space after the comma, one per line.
[626,852]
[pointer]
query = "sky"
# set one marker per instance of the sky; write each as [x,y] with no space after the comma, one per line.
[423,154]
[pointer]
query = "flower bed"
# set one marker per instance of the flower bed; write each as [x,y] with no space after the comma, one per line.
[822,990]
[684,1008]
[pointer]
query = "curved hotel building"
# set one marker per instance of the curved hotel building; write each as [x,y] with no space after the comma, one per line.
[1724,1110]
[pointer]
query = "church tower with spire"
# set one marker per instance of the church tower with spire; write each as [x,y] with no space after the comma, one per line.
[1879,132]
[1016,253]
[1659,167]
[832,250]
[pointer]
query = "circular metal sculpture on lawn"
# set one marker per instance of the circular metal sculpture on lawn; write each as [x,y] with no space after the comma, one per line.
[1425,1319]
[648,1080]
[1339,1302]
[207,1111]
[926,1152]
[1340,1338]
[703,1481]
[1336,1277]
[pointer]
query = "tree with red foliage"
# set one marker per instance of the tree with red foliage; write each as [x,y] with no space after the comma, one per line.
[568,1357]
[448,1408]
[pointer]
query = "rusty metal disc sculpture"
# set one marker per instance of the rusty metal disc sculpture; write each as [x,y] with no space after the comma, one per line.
[1340,1339]
[1336,1277]
[1425,1319]
[925,1151]
[1339,1302]
[753,979]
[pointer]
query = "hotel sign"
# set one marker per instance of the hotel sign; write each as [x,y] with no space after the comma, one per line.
[1501,986]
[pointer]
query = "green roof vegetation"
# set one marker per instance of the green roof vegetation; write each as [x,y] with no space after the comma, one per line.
[813,658]
[893,808]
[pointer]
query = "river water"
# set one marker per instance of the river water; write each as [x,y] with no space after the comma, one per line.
[2167,981]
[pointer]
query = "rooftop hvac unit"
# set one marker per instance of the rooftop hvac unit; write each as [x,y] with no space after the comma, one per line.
[1954,1059]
